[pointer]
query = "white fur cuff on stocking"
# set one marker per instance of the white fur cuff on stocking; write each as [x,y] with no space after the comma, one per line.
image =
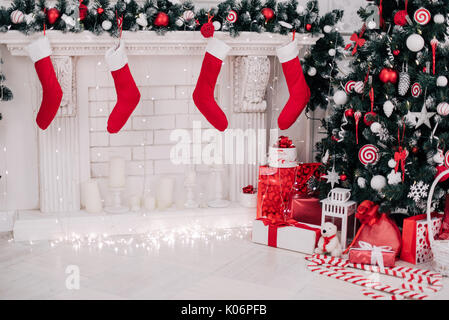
[39,49]
[288,52]
[116,58]
[218,48]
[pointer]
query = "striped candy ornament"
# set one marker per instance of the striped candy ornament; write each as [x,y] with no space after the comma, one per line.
[17,16]
[446,159]
[416,90]
[349,86]
[359,86]
[188,15]
[232,16]
[368,154]
[443,108]
[422,16]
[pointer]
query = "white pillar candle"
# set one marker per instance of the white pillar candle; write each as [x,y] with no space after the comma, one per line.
[117,174]
[91,195]
[134,203]
[164,193]
[149,202]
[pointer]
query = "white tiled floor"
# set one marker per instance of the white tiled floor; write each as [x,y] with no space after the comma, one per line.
[226,266]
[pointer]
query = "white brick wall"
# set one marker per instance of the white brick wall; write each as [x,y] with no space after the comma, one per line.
[145,139]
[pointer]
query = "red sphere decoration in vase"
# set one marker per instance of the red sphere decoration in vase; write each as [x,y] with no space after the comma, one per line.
[369,118]
[53,15]
[268,13]
[349,113]
[388,75]
[308,27]
[161,20]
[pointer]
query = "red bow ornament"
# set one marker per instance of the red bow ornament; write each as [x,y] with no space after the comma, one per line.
[285,142]
[248,189]
[358,41]
[400,157]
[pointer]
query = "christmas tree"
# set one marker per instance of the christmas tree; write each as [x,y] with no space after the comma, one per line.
[387,136]
[5,92]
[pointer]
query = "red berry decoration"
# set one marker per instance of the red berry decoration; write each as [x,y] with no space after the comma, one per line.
[349,113]
[161,20]
[100,10]
[369,118]
[396,52]
[343,177]
[268,13]
[53,15]
[400,18]
[207,30]
[308,27]
[388,75]
[415,150]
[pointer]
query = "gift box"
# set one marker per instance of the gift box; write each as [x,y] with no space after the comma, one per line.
[365,253]
[306,210]
[415,240]
[282,154]
[273,191]
[290,235]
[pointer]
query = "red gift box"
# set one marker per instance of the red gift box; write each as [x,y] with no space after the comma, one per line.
[273,191]
[415,240]
[369,254]
[306,209]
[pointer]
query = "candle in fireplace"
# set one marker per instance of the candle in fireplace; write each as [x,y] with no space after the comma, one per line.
[117,174]
[91,196]
[164,194]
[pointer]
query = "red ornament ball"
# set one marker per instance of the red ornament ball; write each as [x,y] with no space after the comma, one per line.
[396,52]
[83,11]
[369,118]
[415,150]
[400,18]
[207,30]
[53,15]
[334,138]
[388,75]
[268,13]
[100,10]
[308,27]
[343,177]
[424,69]
[349,113]
[161,20]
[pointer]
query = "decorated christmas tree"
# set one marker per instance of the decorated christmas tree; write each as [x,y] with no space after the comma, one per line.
[387,136]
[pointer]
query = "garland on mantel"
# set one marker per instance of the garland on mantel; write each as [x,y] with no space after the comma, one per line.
[99,16]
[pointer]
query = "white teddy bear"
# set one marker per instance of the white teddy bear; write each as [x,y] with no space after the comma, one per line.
[328,241]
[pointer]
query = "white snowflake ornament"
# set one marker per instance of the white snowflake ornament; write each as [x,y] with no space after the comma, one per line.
[418,191]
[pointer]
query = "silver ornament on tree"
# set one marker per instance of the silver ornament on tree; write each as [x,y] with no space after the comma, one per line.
[388,108]
[404,82]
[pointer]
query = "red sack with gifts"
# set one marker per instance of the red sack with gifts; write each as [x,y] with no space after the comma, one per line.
[377,228]
[444,231]
[415,239]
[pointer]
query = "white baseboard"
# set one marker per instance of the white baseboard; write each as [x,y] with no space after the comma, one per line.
[7,219]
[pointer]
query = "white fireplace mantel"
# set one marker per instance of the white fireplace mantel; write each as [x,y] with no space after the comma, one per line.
[150,43]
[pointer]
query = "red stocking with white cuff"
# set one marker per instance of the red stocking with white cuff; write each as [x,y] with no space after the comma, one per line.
[39,52]
[203,95]
[128,95]
[296,82]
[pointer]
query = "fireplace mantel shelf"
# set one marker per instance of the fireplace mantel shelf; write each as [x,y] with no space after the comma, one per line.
[150,43]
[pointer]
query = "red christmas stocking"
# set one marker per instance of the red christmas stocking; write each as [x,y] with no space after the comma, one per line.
[39,52]
[296,82]
[203,95]
[128,95]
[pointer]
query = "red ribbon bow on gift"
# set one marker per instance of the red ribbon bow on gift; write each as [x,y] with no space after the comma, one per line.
[248,189]
[400,157]
[357,39]
[368,214]
[285,142]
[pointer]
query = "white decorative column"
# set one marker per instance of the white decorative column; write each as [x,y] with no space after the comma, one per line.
[250,76]
[59,147]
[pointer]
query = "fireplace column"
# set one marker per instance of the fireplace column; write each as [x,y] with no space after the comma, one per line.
[59,147]
[250,75]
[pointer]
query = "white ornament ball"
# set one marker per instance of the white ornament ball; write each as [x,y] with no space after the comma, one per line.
[394,178]
[311,72]
[438,18]
[378,182]
[375,127]
[106,25]
[415,42]
[441,81]
[443,108]
[438,158]
[217,25]
[142,20]
[188,15]
[300,9]
[327,29]
[372,25]
[392,163]
[388,108]
[361,182]
[359,87]
[332,52]
[340,97]
[17,16]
